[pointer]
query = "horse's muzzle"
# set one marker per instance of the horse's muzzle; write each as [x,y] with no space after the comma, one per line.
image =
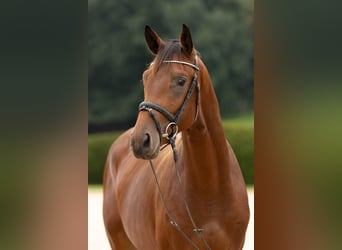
[144,146]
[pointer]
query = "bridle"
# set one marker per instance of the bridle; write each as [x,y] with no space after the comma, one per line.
[172,128]
[170,133]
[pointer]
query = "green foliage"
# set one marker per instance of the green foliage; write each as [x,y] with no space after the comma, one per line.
[222,31]
[240,134]
[98,147]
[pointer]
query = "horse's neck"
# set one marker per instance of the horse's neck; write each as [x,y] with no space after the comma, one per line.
[206,159]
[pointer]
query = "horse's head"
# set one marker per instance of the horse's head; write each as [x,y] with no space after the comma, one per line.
[171,93]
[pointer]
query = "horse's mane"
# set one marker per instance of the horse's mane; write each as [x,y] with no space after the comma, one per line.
[171,50]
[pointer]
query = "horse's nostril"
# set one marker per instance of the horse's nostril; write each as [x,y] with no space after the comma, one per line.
[146,141]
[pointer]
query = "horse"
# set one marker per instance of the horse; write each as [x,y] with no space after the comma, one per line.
[173,181]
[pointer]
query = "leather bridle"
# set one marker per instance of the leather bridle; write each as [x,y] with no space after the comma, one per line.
[172,128]
[170,134]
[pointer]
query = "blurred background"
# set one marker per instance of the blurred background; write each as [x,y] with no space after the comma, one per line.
[44,106]
[222,31]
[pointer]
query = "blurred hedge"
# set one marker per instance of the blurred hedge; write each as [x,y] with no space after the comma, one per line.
[98,147]
[240,135]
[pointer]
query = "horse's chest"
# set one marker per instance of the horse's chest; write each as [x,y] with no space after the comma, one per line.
[220,231]
[214,235]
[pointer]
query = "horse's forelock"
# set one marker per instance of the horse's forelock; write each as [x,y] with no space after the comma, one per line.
[169,51]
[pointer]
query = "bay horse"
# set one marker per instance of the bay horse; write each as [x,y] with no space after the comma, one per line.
[191,194]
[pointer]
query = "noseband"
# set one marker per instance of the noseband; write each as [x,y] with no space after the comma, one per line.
[172,128]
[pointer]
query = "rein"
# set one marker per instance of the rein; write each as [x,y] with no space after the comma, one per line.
[171,138]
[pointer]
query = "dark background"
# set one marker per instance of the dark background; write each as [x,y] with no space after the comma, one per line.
[222,31]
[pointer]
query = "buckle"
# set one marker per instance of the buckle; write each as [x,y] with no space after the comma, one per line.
[171,131]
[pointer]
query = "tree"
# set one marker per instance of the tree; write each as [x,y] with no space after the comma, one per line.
[222,32]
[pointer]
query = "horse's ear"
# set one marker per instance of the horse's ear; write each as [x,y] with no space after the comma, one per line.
[186,40]
[154,42]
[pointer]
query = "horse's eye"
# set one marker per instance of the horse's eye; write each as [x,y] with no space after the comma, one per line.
[181,81]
